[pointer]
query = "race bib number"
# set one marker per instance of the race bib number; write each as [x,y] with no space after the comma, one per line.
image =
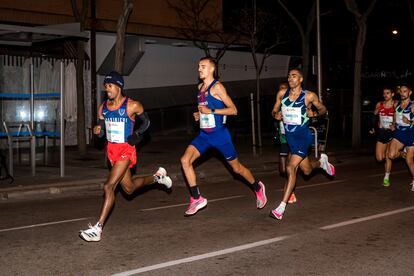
[207,121]
[115,132]
[385,121]
[292,115]
[399,119]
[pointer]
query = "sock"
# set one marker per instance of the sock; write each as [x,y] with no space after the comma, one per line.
[387,175]
[99,225]
[256,186]
[195,192]
[282,206]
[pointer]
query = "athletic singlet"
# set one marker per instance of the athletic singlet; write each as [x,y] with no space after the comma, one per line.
[385,115]
[294,113]
[210,122]
[118,124]
[399,113]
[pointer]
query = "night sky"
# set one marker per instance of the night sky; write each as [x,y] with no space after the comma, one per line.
[383,52]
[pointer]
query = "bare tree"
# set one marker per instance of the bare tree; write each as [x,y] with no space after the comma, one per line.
[264,32]
[361,20]
[120,35]
[201,26]
[80,17]
[305,34]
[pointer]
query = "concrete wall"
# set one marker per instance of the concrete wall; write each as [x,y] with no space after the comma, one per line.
[165,81]
[164,65]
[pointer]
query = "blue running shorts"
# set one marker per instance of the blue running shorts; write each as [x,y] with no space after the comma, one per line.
[406,137]
[219,139]
[299,142]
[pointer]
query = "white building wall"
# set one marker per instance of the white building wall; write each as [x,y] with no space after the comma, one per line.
[166,65]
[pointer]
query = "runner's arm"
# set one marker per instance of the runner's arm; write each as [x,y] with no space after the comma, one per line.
[218,90]
[374,118]
[99,129]
[314,100]
[276,108]
[138,110]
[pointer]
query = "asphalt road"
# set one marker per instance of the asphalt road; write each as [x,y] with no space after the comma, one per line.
[349,225]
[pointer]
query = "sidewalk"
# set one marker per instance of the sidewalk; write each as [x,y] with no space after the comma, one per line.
[161,150]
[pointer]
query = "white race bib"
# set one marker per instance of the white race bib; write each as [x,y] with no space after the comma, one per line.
[292,115]
[115,132]
[385,121]
[399,119]
[207,121]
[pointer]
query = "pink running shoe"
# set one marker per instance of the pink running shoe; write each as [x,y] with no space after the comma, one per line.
[261,198]
[292,198]
[195,205]
[326,166]
[276,213]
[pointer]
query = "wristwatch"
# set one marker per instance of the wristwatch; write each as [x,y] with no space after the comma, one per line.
[213,110]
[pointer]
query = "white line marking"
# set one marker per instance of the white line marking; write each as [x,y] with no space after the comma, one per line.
[42,224]
[318,184]
[202,256]
[382,174]
[239,196]
[184,204]
[353,221]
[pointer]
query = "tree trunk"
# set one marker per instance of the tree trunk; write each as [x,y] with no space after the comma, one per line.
[120,36]
[356,112]
[305,59]
[81,131]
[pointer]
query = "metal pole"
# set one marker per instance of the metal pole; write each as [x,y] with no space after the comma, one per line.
[31,112]
[318,39]
[253,121]
[62,122]
[315,141]
[32,124]
[259,128]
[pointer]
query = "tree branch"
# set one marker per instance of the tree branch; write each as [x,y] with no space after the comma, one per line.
[293,17]
[410,10]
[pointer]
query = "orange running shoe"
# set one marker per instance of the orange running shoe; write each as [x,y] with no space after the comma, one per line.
[292,198]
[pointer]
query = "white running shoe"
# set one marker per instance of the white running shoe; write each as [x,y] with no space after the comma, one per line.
[162,177]
[92,234]
[326,166]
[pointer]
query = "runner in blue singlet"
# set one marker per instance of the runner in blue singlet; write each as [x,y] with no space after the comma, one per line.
[214,104]
[404,130]
[294,107]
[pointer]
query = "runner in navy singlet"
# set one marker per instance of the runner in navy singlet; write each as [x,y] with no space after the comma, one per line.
[214,104]
[117,116]
[404,130]
[383,121]
[294,107]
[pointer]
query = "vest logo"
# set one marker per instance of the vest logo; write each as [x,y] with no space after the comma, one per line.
[121,111]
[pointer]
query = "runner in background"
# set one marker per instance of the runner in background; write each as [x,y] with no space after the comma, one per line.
[383,120]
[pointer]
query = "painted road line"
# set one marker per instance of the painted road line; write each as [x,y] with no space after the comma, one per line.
[202,256]
[318,184]
[185,204]
[239,196]
[358,220]
[382,174]
[42,224]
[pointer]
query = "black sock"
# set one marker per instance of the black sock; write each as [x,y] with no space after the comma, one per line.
[256,186]
[195,192]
